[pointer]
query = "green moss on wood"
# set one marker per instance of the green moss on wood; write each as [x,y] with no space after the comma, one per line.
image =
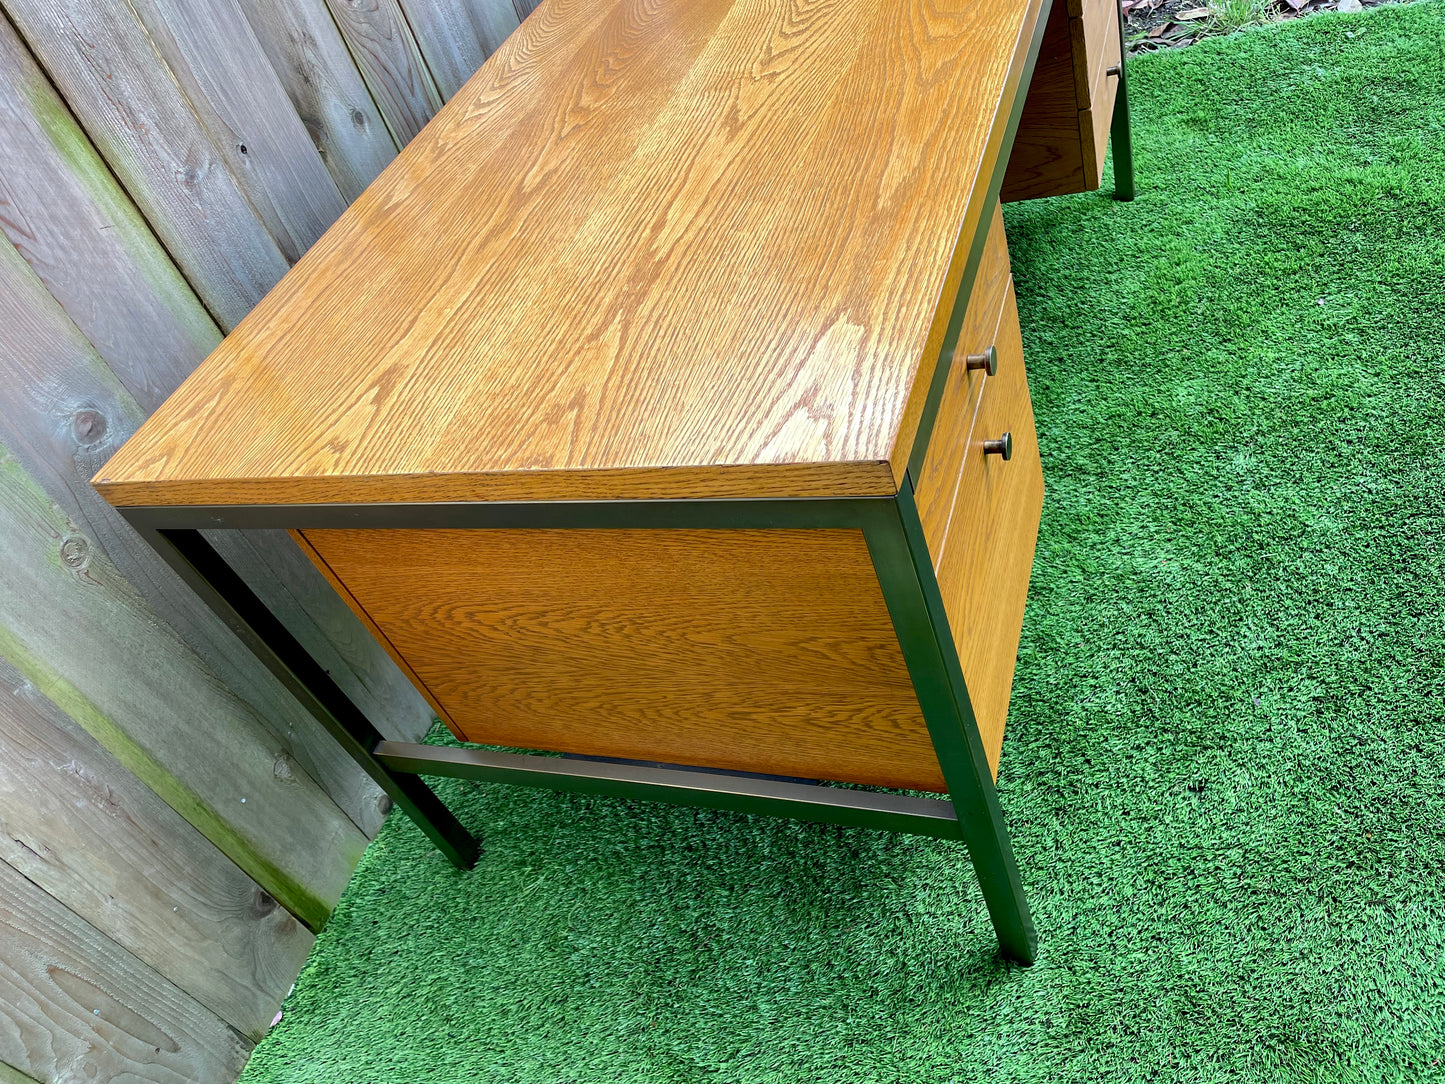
[99,185]
[289,892]
[11,1075]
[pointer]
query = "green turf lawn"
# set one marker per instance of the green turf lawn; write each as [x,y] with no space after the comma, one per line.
[1225,764]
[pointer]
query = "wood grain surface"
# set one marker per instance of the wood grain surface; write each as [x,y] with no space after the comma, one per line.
[213,53]
[938,480]
[984,572]
[1090,38]
[309,55]
[455,36]
[85,240]
[1095,121]
[390,62]
[92,835]
[79,232]
[62,413]
[765,651]
[79,631]
[11,1075]
[654,241]
[75,1006]
[135,112]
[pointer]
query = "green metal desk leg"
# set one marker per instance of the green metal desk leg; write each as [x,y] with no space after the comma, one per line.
[905,573]
[1120,135]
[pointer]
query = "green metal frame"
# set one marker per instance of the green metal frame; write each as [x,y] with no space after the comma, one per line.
[894,536]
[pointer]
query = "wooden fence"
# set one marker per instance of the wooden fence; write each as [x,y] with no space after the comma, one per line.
[174,828]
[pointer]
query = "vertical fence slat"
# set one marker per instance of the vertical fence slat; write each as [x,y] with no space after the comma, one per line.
[90,834]
[90,246]
[455,36]
[386,53]
[232,87]
[54,397]
[310,57]
[62,209]
[74,1005]
[63,413]
[134,111]
[77,631]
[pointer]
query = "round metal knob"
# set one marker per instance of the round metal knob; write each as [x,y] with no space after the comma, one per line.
[1004,446]
[1113,70]
[987,361]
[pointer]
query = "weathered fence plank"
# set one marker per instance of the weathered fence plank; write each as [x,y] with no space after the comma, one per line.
[76,1006]
[287,582]
[63,413]
[455,36]
[310,57]
[77,630]
[232,87]
[89,833]
[79,232]
[10,1075]
[134,111]
[385,51]
[89,244]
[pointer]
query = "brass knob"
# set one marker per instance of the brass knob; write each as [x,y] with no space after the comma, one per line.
[1004,446]
[987,361]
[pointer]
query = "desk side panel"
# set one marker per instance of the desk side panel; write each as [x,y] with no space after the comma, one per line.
[763,651]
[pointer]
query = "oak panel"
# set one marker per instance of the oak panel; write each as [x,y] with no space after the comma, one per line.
[938,480]
[984,575]
[679,236]
[1047,156]
[1094,122]
[766,651]
[1091,35]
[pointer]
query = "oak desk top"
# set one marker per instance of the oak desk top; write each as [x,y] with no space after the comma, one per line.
[654,248]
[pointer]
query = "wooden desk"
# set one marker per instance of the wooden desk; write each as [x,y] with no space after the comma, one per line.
[664,402]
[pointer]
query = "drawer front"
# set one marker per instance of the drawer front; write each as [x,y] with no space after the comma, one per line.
[1096,114]
[989,550]
[1064,128]
[938,479]
[1091,32]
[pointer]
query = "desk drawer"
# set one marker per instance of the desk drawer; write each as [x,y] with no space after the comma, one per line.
[1096,51]
[983,573]
[1064,129]
[938,479]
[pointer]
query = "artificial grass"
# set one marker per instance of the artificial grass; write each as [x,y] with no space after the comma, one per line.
[1225,763]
